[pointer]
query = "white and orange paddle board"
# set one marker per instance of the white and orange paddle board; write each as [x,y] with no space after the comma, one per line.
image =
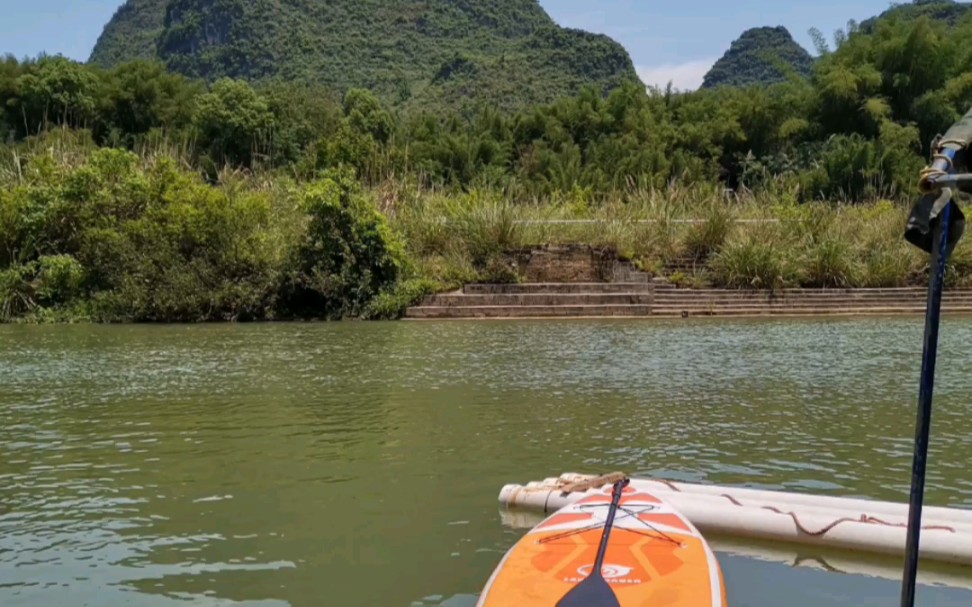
[655,557]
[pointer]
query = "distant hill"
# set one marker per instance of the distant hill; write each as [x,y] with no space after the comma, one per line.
[756,58]
[131,33]
[417,53]
[948,11]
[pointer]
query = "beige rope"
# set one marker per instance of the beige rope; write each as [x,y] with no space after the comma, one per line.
[593,483]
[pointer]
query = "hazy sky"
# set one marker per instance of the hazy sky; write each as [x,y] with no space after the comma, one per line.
[668,39]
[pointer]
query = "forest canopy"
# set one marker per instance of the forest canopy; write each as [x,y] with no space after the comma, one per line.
[860,123]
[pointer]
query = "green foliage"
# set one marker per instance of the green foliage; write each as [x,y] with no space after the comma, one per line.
[59,279]
[141,96]
[859,127]
[486,226]
[232,122]
[348,256]
[140,239]
[947,11]
[392,303]
[55,90]
[828,263]
[411,53]
[16,293]
[302,115]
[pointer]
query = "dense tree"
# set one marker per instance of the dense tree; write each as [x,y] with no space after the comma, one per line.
[55,91]
[141,96]
[233,122]
[859,123]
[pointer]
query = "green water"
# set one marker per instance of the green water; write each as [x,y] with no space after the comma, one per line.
[359,464]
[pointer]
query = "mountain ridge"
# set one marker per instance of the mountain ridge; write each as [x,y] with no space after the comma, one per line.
[761,55]
[416,53]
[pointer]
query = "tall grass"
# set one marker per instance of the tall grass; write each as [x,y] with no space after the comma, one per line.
[707,238]
[759,256]
[747,240]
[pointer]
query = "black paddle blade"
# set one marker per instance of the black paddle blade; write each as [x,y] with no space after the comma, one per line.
[592,592]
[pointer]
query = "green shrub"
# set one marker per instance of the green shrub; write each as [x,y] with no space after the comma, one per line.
[16,291]
[59,279]
[348,255]
[499,269]
[392,303]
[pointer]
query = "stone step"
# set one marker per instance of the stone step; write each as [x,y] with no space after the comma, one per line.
[911,301]
[637,311]
[539,299]
[781,303]
[429,312]
[905,292]
[823,295]
[823,311]
[566,300]
[805,306]
[557,287]
[677,295]
[661,300]
[807,293]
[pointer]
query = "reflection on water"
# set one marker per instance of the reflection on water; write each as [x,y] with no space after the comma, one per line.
[359,464]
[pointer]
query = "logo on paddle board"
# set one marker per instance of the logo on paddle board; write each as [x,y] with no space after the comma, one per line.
[613,574]
[609,572]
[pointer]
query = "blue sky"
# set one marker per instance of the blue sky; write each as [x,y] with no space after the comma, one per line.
[668,39]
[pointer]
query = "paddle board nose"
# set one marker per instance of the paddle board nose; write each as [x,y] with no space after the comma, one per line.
[654,551]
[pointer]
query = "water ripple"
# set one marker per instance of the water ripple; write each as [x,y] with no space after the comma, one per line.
[359,464]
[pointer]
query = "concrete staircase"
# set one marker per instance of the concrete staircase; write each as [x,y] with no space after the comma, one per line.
[802,302]
[656,299]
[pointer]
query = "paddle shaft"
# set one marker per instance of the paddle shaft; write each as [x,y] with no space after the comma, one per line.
[594,590]
[608,525]
[923,430]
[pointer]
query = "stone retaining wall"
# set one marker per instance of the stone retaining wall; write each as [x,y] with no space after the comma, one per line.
[566,264]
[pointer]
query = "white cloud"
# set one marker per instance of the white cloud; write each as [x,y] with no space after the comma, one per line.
[683,76]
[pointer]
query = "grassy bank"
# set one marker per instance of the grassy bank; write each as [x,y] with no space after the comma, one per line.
[699,236]
[105,235]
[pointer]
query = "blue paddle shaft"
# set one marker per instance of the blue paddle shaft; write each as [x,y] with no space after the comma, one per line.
[923,430]
[608,525]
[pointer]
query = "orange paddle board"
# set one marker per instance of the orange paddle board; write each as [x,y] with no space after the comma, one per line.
[655,557]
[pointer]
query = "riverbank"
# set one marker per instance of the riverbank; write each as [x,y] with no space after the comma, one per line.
[579,281]
[106,235]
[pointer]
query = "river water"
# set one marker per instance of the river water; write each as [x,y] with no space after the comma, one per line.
[359,464]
